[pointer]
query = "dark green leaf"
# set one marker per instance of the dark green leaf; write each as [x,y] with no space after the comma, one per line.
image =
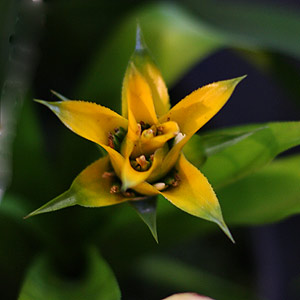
[97,282]
[146,209]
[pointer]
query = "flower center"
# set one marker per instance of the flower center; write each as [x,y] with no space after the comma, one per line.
[150,139]
[153,137]
[142,163]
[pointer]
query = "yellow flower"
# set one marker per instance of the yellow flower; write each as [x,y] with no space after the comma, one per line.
[143,145]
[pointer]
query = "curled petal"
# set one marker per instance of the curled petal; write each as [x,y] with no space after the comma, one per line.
[195,195]
[149,143]
[131,177]
[145,188]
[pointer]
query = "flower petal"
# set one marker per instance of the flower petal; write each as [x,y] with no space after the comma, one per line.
[142,60]
[137,94]
[91,121]
[187,296]
[195,195]
[89,189]
[200,106]
[145,188]
[194,111]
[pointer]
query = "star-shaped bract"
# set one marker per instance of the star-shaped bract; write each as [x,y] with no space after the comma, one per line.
[144,157]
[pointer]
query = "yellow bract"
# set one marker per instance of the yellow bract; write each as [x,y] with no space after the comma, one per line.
[144,152]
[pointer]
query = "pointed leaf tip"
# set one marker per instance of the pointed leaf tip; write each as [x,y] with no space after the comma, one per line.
[140,43]
[59,96]
[146,209]
[225,229]
[237,80]
[64,200]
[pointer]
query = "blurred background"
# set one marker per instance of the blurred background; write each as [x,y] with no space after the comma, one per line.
[80,49]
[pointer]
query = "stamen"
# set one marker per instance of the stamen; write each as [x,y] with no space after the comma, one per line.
[111,140]
[139,130]
[148,134]
[160,186]
[115,189]
[179,137]
[141,163]
[145,164]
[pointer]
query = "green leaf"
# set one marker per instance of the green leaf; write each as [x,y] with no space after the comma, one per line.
[241,156]
[18,241]
[146,209]
[268,195]
[97,282]
[210,144]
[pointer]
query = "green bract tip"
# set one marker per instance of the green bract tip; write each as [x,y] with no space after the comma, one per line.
[140,43]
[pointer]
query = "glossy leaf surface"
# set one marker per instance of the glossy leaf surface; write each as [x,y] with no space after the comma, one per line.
[269,195]
[259,145]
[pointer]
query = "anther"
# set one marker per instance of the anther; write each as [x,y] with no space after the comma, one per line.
[143,162]
[160,186]
[111,140]
[148,133]
[115,189]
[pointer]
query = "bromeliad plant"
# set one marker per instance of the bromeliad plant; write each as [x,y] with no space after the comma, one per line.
[144,145]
